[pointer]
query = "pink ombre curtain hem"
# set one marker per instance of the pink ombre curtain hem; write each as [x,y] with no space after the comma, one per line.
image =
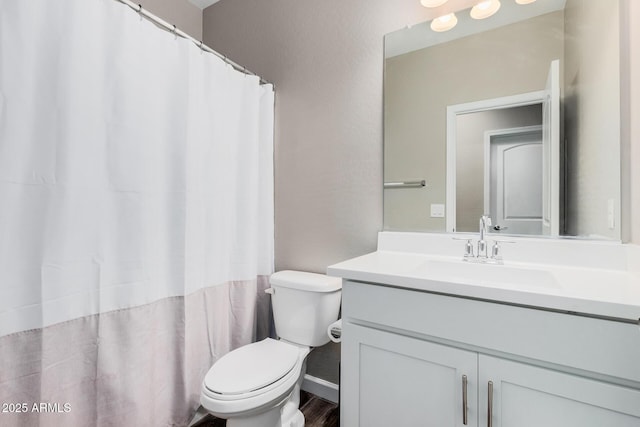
[141,366]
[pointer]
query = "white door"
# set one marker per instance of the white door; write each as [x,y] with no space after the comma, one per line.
[529,396]
[513,180]
[394,380]
[551,153]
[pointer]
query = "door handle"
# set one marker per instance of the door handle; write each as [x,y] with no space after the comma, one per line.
[490,404]
[465,409]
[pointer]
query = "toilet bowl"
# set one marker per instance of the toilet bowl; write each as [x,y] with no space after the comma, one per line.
[252,381]
[258,385]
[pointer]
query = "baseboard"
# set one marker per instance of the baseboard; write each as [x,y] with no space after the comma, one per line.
[198,416]
[321,388]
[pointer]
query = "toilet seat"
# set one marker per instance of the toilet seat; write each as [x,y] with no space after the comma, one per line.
[251,368]
[246,397]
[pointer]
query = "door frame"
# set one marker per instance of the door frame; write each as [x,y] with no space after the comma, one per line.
[453,111]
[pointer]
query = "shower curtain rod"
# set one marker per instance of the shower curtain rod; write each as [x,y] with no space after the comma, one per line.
[176,31]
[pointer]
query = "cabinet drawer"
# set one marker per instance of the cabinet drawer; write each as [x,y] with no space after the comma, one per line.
[600,346]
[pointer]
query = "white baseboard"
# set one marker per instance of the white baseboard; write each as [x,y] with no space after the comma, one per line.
[321,388]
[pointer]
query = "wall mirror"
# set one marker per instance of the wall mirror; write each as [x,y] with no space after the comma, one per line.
[516,116]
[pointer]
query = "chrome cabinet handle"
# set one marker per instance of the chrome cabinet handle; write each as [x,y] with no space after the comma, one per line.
[465,409]
[490,405]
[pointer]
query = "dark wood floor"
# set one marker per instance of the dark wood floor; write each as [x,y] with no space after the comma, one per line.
[317,413]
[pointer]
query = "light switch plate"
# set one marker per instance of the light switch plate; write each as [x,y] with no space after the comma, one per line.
[437,211]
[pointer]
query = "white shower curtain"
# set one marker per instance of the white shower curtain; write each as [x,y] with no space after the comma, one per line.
[136,215]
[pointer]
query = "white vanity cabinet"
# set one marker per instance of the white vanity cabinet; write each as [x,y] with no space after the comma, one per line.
[396,380]
[527,396]
[414,358]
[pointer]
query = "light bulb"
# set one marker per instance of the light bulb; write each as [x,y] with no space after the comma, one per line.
[444,22]
[432,3]
[524,1]
[485,9]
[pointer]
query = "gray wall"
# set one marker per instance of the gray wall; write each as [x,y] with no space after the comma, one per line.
[631,148]
[180,13]
[592,111]
[325,58]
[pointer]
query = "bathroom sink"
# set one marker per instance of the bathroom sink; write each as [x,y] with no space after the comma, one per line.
[595,278]
[486,274]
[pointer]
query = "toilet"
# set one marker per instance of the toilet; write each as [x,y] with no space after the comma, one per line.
[258,385]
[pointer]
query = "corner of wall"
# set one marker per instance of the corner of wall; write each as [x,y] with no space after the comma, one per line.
[630,129]
[625,123]
[185,15]
[633,14]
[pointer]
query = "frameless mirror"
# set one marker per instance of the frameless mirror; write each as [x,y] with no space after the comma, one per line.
[516,116]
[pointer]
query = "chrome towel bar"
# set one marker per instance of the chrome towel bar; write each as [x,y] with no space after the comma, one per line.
[406,184]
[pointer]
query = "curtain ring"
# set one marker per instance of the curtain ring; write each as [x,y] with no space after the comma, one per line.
[140,11]
[175,34]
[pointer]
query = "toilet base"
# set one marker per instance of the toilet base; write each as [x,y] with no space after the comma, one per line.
[276,417]
[269,418]
[297,420]
[291,415]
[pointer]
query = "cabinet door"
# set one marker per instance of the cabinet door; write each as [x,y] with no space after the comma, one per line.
[394,380]
[529,396]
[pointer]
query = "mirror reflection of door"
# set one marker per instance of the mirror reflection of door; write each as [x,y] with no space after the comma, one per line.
[471,186]
[513,179]
[523,196]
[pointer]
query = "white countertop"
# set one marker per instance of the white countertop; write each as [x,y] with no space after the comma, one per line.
[610,290]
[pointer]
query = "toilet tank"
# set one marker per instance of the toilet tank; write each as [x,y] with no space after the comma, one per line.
[304,305]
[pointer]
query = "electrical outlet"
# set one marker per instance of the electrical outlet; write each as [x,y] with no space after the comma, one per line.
[611,214]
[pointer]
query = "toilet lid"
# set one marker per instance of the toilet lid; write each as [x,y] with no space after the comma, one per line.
[251,367]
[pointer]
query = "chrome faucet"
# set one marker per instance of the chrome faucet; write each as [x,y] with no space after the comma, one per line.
[485,223]
[482,255]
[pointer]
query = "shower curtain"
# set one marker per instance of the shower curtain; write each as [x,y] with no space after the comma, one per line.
[136,215]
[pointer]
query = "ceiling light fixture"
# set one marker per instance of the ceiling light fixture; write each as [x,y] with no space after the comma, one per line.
[444,23]
[432,3]
[485,9]
[524,1]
